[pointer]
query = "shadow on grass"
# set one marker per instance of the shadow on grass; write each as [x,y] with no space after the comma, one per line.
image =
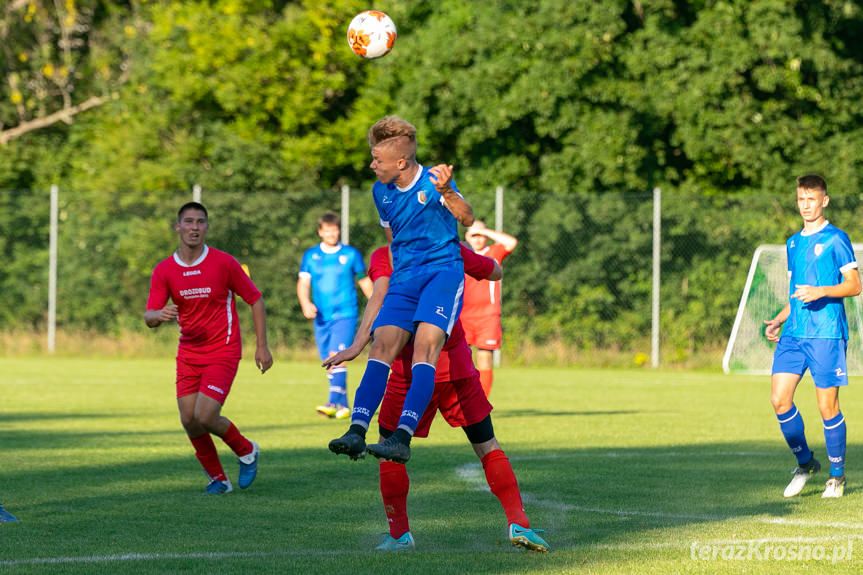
[309,507]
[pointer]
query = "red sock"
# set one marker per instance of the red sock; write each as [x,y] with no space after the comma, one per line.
[235,440]
[395,485]
[485,377]
[205,451]
[501,480]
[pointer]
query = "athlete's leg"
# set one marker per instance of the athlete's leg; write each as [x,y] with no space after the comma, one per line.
[485,365]
[783,386]
[834,428]
[395,485]
[202,441]
[428,342]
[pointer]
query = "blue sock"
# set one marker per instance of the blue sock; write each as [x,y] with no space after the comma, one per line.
[370,393]
[338,385]
[418,396]
[791,424]
[834,438]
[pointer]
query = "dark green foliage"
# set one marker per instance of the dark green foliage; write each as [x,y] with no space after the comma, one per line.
[577,108]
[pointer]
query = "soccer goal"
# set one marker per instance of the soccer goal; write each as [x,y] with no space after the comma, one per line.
[764,295]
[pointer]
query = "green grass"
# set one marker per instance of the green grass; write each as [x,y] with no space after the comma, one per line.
[628,471]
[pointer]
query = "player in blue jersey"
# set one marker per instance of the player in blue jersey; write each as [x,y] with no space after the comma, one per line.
[821,270]
[420,208]
[328,271]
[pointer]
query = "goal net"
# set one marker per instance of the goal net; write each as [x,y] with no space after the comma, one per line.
[764,295]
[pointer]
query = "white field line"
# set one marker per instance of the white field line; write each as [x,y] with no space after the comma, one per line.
[472,474]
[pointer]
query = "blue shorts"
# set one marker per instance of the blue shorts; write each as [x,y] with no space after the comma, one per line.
[825,359]
[434,297]
[334,335]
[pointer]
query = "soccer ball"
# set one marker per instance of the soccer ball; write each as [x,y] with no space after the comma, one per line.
[371,34]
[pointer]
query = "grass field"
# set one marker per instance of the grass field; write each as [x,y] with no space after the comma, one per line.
[628,472]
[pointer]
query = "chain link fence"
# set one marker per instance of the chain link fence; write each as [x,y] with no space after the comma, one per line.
[577,289]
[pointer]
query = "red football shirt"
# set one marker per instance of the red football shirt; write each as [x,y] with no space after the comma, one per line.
[482,297]
[455,361]
[204,295]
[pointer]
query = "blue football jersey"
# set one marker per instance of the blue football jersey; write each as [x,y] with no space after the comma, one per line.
[425,233]
[818,259]
[332,273]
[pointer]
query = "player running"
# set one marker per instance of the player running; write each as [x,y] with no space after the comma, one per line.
[420,208]
[201,282]
[822,270]
[459,396]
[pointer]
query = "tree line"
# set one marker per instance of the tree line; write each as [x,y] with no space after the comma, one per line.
[577,108]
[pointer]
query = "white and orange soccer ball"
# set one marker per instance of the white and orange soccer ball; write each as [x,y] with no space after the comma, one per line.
[371,34]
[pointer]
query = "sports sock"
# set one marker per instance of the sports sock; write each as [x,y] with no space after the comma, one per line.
[485,378]
[235,440]
[834,439]
[370,392]
[338,377]
[503,484]
[791,424]
[205,451]
[395,485]
[418,396]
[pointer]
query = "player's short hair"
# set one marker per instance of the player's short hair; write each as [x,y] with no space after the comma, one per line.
[812,182]
[191,206]
[393,130]
[329,219]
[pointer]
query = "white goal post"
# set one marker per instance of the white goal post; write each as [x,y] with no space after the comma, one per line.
[764,295]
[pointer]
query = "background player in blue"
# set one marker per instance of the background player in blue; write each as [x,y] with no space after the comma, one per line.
[328,271]
[421,208]
[821,270]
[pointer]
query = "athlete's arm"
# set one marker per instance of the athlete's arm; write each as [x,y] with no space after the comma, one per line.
[774,326]
[441,176]
[156,317]
[363,335]
[263,357]
[507,241]
[366,286]
[304,288]
[849,287]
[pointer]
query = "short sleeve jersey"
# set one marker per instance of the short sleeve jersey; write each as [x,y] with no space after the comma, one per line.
[482,297]
[204,294]
[455,361]
[818,259]
[332,272]
[425,233]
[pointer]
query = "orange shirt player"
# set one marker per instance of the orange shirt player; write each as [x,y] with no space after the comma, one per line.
[480,314]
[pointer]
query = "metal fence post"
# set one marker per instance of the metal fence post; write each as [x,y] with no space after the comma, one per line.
[498,226]
[346,214]
[52,271]
[654,330]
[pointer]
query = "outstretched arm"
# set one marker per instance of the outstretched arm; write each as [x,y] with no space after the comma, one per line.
[507,241]
[363,335]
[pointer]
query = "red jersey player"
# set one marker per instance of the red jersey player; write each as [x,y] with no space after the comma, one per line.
[460,399]
[480,314]
[201,282]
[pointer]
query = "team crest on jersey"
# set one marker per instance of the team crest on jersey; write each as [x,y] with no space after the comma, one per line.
[818,249]
[421,197]
[343,260]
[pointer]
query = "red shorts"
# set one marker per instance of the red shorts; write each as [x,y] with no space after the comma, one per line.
[213,380]
[482,332]
[461,402]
